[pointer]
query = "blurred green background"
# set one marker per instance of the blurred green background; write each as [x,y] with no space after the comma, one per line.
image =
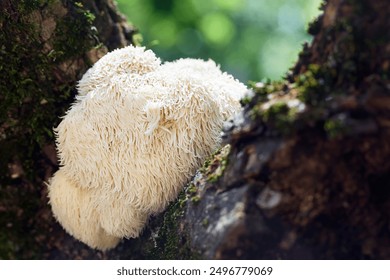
[251,39]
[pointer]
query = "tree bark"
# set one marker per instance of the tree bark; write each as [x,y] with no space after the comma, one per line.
[305,171]
[45,48]
[305,174]
[308,171]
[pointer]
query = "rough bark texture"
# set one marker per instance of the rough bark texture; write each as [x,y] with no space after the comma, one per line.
[308,171]
[45,47]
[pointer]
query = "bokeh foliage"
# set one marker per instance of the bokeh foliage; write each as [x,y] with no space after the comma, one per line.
[252,39]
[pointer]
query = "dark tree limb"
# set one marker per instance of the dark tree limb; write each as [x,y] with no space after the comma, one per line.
[45,48]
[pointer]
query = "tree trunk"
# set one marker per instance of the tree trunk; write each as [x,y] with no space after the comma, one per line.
[46,46]
[305,171]
[308,174]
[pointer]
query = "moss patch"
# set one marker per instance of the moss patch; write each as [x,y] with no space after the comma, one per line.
[171,241]
[215,165]
[32,97]
[77,24]
[42,55]
[335,128]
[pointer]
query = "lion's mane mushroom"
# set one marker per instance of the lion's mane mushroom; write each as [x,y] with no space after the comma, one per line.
[137,132]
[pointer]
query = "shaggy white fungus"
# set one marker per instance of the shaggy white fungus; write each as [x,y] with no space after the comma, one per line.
[135,135]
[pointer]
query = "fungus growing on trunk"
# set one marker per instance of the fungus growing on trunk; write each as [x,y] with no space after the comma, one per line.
[137,132]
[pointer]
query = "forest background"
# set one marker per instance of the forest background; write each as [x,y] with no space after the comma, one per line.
[251,39]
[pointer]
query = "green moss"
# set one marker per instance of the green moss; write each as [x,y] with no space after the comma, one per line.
[280,116]
[277,109]
[172,241]
[215,165]
[245,100]
[266,87]
[195,199]
[22,87]
[283,106]
[262,92]
[31,98]
[27,6]
[205,222]
[31,101]
[314,84]
[191,189]
[263,89]
[334,128]
[69,31]
[192,194]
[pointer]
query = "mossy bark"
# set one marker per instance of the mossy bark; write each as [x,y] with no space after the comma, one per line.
[311,152]
[45,48]
[307,172]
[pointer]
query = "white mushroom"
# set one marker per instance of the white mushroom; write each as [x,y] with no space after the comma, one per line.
[74,208]
[135,135]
